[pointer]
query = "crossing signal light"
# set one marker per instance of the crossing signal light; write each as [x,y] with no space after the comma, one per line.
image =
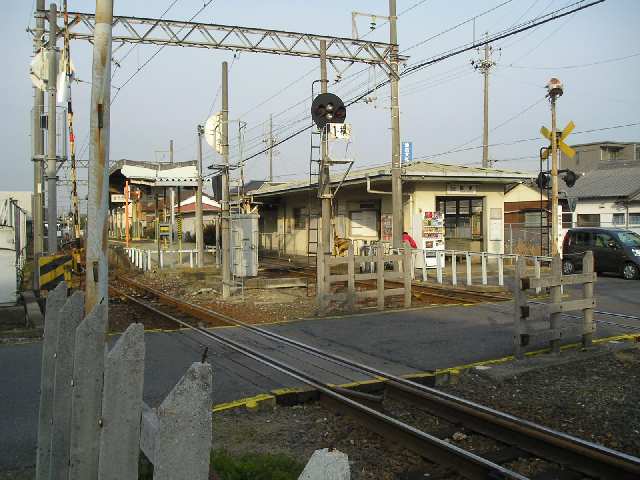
[570,177]
[543,180]
[328,108]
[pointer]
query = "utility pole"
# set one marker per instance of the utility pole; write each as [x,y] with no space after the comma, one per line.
[52,214]
[555,90]
[484,65]
[271,147]
[38,145]
[199,222]
[396,168]
[226,216]
[173,198]
[324,192]
[96,246]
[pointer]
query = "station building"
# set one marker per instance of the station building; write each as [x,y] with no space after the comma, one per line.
[471,198]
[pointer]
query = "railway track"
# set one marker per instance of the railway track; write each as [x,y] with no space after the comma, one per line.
[529,439]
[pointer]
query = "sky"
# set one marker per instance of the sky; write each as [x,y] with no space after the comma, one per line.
[595,52]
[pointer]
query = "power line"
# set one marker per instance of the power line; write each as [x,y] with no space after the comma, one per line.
[156,53]
[524,140]
[423,64]
[581,65]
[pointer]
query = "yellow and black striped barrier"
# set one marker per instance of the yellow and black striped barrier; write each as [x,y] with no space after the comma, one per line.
[53,269]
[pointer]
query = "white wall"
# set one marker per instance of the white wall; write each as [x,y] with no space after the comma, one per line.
[606,209]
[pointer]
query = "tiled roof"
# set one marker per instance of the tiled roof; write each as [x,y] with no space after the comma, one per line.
[607,182]
[413,169]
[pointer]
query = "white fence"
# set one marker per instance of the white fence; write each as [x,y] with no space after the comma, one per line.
[483,262]
[142,258]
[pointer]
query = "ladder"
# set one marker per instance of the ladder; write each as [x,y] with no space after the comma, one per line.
[314,177]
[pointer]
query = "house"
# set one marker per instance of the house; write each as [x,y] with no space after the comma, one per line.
[471,198]
[526,213]
[591,156]
[187,210]
[607,197]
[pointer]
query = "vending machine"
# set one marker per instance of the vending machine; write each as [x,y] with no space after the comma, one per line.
[432,236]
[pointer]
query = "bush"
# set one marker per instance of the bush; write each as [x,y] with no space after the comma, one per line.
[254,466]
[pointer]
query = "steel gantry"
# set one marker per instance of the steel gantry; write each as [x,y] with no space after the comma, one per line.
[155,31]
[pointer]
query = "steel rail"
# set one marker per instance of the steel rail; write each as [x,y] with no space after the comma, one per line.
[466,463]
[581,455]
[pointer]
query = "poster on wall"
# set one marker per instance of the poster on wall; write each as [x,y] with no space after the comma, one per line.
[432,236]
[386,225]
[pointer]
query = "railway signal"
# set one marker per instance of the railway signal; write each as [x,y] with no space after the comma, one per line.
[328,108]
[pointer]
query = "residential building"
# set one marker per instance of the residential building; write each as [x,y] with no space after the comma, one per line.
[607,197]
[591,156]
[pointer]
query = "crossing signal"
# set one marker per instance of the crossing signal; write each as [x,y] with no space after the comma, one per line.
[569,178]
[543,180]
[327,108]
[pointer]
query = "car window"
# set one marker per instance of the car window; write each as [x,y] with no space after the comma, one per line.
[582,239]
[601,240]
[629,239]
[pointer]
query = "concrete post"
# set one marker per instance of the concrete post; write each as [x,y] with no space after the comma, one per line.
[177,437]
[588,325]
[55,302]
[556,297]
[324,193]
[70,316]
[38,145]
[484,268]
[122,407]
[199,219]
[97,289]
[226,214]
[518,302]
[86,400]
[52,214]
[396,168]
[327,464]
[454,269]
[467,262]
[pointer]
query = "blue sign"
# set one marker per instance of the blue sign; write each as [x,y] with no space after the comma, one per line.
[406,152]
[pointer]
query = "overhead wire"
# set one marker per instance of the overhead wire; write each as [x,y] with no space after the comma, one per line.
[554,15]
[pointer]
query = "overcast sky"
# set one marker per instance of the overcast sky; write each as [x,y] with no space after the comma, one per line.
[441,106]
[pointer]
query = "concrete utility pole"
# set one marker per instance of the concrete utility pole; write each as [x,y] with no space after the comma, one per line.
[199,221]
[484,65]
[38,144]
[324,192]
[96,246]
[173,199]
[396,168]
[555,90]
[271,147]
[52,214]
[226,215]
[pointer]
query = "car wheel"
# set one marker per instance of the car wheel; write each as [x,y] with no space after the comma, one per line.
[630,271]
[568,267]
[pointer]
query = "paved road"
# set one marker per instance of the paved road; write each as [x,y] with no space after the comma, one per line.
[400,342]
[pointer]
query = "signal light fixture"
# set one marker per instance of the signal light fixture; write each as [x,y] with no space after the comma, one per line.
[328,108]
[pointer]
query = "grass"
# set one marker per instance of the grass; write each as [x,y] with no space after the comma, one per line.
[248,466]
[254,466]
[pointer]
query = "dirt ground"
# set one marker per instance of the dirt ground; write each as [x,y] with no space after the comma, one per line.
[597,399]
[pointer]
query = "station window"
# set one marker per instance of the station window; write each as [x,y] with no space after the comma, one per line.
[462,217]
[634,219]
[589,220]
[299,219]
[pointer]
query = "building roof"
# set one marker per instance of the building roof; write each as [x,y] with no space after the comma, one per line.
[603,143]
[410,171]
[622,182]
[179,174]
[208,204]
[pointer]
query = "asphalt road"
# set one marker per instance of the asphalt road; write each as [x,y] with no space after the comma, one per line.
[399,342]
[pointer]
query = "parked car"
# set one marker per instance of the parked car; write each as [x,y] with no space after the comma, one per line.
[615,250]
